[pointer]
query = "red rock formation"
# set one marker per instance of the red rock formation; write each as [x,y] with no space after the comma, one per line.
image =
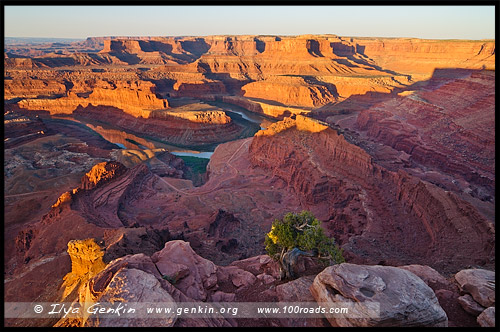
[420,56]
[177,275]
[369,201]
[198,88]
[19,63]
[447,293]
[293,91]
[366,207]
[259,106]
[134,100]
[20,129]
[479,283]
[487,317]
[190,126]
[101,173]
[32,88]
[447,126]
[307,71]
[171,128]
[86,261]
[215,117]
[153,50]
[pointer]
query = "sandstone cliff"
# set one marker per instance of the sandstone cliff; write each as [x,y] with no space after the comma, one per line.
[260,106]
[136,100]
[86,262]
[421,56]
[303,71]
[293,91]
[449,125]
[365,199]
[32,88]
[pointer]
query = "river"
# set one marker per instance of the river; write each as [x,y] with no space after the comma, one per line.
[126,140]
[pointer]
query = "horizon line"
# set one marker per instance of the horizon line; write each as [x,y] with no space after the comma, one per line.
[243,35]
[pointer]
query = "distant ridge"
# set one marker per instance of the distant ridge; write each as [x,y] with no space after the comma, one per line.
[39,40]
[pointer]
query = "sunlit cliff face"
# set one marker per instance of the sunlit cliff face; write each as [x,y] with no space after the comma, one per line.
[86,262]
[300,122]
[131,101]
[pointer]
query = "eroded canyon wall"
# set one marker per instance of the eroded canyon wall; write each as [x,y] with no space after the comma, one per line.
[304,71]
[393,209]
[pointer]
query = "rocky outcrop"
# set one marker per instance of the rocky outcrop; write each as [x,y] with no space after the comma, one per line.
[377,296]
[430,276]
[487,317]
[447,293]
[479,283]
[420,55]
[468,294]
[175,274]
[417,180]
[291,91]
[152,50]
[19,63]
[169,128]
[178,276]
[190,273]
[101,173]
[136,100]
[470,306]
[298,290]
[137,286]
[305,71]
[259,106]
[203,89]
[63,200]
[417,55]
[86,262]
[34,88]
[209,117]
[20,129]
[102,205]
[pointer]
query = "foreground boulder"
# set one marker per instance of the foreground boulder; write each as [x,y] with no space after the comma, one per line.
[377,296]
[487,317]
[469,305]
[133,285]
[479,283]
[448,295]
[431,277]
[190,273]
[298,290]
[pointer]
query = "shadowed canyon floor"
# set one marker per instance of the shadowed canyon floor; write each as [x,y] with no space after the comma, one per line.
[389,142]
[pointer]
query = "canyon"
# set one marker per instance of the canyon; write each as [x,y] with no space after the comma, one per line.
[389,142]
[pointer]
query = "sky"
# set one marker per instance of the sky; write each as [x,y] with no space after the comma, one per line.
[427,22]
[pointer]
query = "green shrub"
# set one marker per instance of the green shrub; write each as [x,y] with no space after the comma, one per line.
[302,231]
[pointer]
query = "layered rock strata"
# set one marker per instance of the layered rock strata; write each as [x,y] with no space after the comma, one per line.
[134,101]
[449,127]
[363,198]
